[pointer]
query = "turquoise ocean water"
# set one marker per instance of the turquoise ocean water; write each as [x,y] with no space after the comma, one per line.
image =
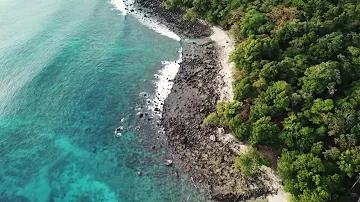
[70,70]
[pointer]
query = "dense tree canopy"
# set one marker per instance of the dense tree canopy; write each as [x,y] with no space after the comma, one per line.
[297,89]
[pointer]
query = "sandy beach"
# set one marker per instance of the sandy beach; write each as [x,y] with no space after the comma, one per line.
[282,196]
[226,46]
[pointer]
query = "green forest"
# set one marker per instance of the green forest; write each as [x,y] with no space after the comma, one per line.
[296,88]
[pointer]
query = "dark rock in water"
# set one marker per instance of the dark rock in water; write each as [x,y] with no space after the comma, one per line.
[168,162]
[156,109]
[141,115]
[140,173]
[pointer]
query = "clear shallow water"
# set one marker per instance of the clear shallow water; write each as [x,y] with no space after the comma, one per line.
[70,70]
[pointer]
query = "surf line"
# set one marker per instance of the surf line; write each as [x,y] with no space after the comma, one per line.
[124,6]
[120,5]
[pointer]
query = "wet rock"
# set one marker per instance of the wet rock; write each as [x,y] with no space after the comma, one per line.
[168,162]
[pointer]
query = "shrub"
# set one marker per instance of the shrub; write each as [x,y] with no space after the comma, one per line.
[249,163]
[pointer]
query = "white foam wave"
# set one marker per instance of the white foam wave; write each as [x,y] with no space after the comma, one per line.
[151,23]
[165,82]
[120,5]
[157,27]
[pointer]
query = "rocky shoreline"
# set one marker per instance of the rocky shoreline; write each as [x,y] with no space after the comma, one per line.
[207,160]
[172,18]
[200,149]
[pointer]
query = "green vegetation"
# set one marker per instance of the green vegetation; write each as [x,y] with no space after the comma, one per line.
[297,88]
[250,162]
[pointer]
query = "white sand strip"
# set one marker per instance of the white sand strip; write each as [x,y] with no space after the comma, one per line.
[281,196]
[226,46]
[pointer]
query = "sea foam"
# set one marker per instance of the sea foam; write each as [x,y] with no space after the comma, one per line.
[156,26]
[126,5]
[120,5]
[169,69]
[164,81]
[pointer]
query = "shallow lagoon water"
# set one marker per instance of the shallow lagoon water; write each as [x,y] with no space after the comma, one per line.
[69,72]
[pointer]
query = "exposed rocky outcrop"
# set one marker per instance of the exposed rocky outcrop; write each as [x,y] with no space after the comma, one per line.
[173,18]
[209,163]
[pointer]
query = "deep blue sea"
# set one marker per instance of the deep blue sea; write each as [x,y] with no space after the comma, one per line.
[71,71]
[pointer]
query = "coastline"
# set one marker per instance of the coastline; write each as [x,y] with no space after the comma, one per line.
[204,78]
